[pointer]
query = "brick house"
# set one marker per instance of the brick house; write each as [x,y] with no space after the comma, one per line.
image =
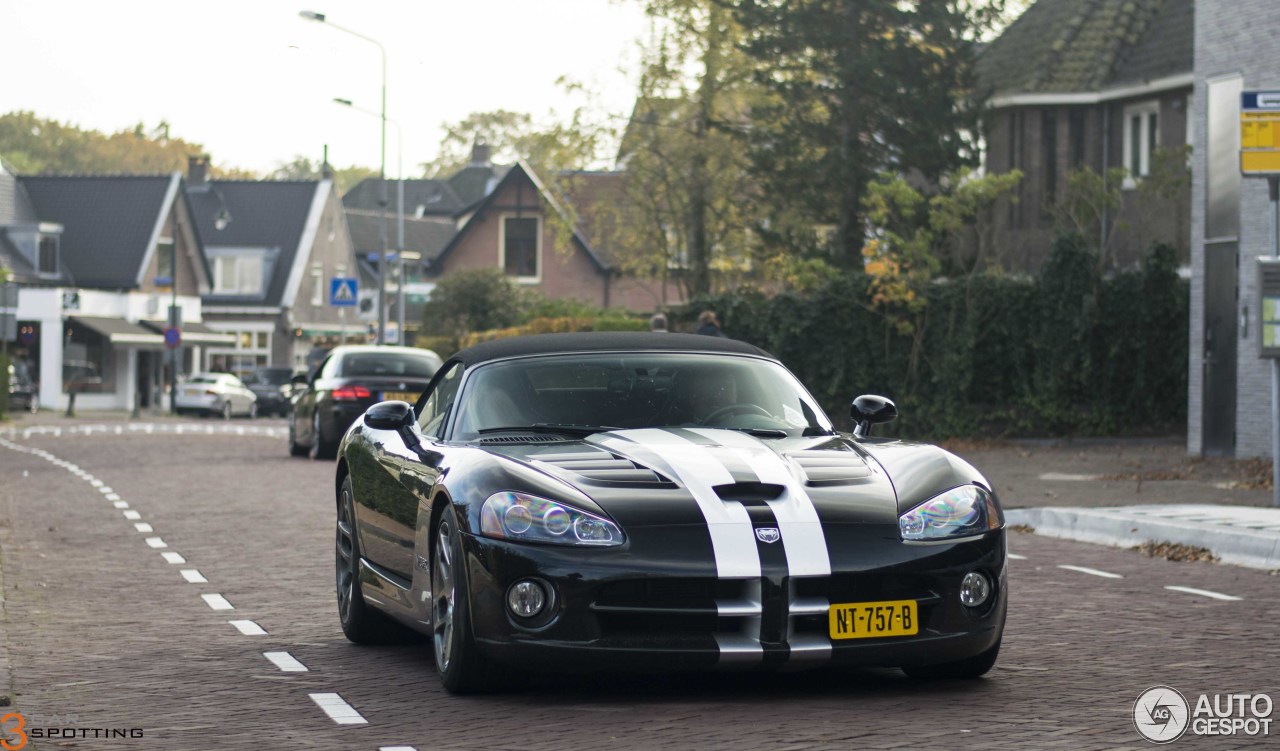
[1095,84]
[272,248]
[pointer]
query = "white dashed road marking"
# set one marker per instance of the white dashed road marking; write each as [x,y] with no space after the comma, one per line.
[1093,572]
[156,542]
[121,504]
[338,710]
[173,557]
[396,748]
[132,515]
[248,628]
[113,496]
[143,527]
[1016,557]
[1205,593]
[193,575]
[285,661]
[218,602]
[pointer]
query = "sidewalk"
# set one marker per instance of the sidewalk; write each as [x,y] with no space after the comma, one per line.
[1126,492]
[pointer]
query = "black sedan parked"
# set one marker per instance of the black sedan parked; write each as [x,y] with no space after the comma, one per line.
[347,382]
[580,502]
[273,388]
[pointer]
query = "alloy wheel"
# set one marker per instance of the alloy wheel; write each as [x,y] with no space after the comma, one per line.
[345,558]
[443,593]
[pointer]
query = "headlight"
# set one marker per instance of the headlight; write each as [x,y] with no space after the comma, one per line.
[516,516]
[960,512]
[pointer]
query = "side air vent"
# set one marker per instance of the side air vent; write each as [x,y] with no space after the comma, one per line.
[602,468]
[831,467]
[522,438]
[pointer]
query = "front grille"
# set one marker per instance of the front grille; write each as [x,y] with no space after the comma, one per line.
[678,607]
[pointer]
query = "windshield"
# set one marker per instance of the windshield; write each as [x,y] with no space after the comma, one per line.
[392,364]
[637,391]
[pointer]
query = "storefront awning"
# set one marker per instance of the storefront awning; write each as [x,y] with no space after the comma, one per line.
[119,331]
[194,333]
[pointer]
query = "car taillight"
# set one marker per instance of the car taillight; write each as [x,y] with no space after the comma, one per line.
[351,393]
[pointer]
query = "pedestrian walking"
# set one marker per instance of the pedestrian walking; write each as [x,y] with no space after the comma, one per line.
[708,325]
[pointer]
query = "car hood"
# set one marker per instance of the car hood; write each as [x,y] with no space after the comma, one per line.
[666,476]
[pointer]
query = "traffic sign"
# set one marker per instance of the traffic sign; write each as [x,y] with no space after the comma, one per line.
[172,337]
[1260,133]
[344,292]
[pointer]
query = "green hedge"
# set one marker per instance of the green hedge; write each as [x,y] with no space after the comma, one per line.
[993,355]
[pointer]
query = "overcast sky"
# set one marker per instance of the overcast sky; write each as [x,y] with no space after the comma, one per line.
[254,83]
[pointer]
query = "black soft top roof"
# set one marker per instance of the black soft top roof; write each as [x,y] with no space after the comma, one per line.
[603,341]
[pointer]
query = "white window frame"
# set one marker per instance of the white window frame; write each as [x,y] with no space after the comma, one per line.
[220,286]
[317,285]
[241,355]
[1144,111]
[502,247]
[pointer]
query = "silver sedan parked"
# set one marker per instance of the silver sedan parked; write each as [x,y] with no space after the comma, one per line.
[216,394]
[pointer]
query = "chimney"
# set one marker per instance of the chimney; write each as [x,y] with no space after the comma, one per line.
[197,171]
[480,153]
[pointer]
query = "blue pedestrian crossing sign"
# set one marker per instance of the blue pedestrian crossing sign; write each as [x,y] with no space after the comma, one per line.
[344,292]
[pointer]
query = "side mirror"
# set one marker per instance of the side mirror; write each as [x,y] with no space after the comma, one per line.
[392,415]
[868,410]
[299,381]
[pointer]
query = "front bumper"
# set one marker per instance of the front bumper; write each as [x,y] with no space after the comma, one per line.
[611,612]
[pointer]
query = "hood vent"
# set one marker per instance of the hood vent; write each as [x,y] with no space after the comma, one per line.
[831,467]
[511,439]
[602,468]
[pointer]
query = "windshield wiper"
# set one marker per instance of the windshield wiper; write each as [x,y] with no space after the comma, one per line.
[552,427]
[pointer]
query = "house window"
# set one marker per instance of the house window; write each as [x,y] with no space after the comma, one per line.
[1141,137]
[252,350]
[48,255]
[1075,126]
[237,275]
[164,262]
[1049,144]
[317,285]
[520,241]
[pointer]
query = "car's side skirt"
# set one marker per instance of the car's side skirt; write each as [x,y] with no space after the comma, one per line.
[394,596]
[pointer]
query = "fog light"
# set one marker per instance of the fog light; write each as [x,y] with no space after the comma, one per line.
[975,589]
[526,598]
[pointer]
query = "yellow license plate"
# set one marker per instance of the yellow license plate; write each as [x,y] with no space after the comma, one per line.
[868,620]
[401,396]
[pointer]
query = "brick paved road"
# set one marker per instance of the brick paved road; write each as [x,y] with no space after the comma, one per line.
[100,631]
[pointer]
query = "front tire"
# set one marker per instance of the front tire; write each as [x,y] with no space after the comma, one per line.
[360,623]
[966,669]
[462,669]
[294,448]
[253,410]
[226,410]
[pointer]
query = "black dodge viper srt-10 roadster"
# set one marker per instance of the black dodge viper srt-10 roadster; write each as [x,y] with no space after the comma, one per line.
[586,502]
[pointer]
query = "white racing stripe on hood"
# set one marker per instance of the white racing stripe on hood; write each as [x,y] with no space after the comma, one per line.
[733,538]
[802,535]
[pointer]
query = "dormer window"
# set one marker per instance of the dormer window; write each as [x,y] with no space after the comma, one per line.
[237,275]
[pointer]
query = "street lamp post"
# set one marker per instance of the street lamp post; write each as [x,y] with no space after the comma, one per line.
[382,170]
[399,207]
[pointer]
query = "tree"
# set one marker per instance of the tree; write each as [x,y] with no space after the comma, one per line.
[303,168]
[473,300]
[688,207]
[855,88]
[35,145]
[549,146]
